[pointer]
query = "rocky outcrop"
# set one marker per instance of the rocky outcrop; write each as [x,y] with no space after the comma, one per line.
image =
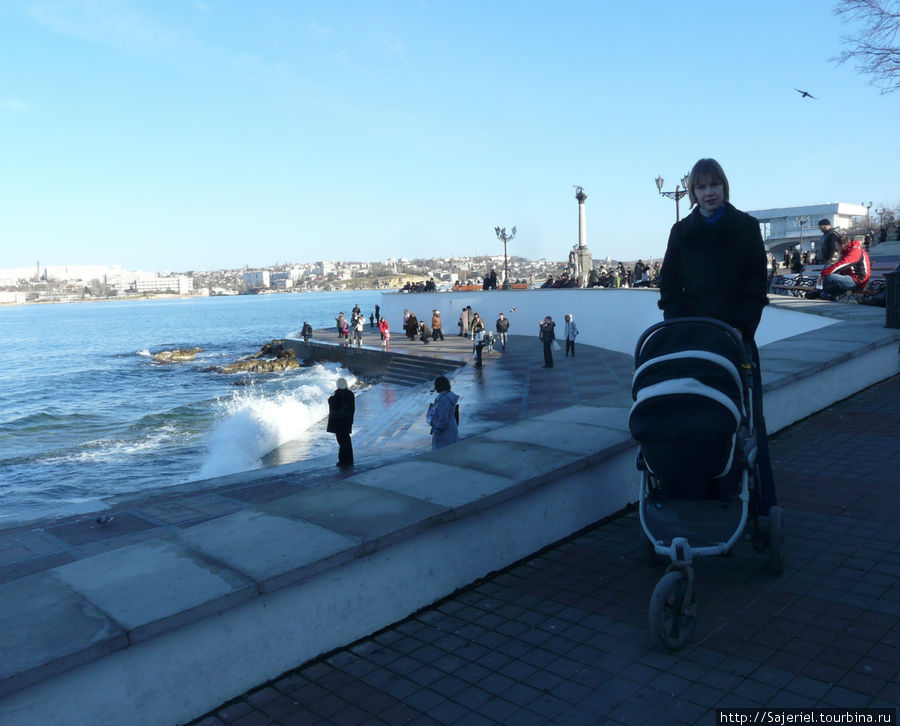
[176,355]
[271,358]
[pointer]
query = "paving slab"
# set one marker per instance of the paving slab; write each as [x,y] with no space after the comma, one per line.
[273,551]
[572,438]
[363,513]
[46,628]
[612,417]
[152,588]
[448,485]
[519,461]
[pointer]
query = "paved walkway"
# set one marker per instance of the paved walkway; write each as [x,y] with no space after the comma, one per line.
[562,638]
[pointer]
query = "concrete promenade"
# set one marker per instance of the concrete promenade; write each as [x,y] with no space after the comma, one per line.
[561,637]
[187,593]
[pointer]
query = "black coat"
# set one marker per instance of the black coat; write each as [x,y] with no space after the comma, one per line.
[341,407]
[715,271]
[829,248]
[547,332]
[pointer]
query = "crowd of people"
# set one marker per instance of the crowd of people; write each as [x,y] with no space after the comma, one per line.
[424,286]
[614,276]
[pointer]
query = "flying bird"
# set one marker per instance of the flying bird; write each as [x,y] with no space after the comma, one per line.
[805,94]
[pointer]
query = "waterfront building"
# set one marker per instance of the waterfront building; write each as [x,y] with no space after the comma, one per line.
[12,298]
[181,284]
[785,227]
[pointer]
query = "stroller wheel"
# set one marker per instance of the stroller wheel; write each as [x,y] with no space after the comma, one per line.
[776,540]
[672,619]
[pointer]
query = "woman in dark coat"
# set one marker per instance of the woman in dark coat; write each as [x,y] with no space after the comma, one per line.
[341,407]
[715,267]
[412,326]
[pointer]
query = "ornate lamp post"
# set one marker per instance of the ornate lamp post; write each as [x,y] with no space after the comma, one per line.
[677,195]
[504,238]
[868,221]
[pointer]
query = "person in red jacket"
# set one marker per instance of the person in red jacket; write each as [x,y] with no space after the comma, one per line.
[850,272]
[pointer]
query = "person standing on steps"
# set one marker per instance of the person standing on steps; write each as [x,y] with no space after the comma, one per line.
[385,329]
[571,334]
[502,330]
[443,415]
[341,408]
[547,336]
[437,329]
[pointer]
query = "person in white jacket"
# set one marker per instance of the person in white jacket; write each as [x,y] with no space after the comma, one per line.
[571,334]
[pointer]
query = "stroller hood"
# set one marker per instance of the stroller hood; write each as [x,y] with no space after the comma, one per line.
[689,399]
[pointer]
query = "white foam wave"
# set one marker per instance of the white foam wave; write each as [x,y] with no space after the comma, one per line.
[144,352]
[252,423]
[107,450]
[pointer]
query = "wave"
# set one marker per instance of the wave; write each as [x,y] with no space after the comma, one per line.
[252,424]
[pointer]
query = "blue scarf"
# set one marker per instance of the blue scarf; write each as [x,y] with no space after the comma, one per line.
[711,219]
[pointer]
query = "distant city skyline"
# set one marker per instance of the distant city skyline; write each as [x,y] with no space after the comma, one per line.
[209,135]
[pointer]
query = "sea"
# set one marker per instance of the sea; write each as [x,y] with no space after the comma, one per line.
[85,412]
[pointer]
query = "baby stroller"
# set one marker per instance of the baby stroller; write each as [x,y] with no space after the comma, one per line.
[693,419]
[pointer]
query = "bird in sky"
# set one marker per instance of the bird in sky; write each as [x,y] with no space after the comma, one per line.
[805,94]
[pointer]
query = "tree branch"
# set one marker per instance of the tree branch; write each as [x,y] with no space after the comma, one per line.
[874,47]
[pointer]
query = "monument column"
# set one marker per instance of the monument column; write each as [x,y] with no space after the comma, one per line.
[583,259]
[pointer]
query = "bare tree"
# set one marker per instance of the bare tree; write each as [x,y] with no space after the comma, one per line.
[874,46]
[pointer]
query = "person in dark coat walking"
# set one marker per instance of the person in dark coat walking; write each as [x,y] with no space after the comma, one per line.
[306,331]
[341,407]
[715,267]
[547,336]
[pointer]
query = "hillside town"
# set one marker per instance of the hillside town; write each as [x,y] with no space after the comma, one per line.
[76,283]
[785,231]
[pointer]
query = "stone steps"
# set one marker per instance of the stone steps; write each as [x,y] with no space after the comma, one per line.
[407,370]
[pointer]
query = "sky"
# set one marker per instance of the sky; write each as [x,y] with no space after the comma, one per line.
[185,135]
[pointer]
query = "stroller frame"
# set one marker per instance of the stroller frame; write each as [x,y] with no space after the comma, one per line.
[673,608]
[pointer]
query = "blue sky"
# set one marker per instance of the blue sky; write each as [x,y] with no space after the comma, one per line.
[179,135]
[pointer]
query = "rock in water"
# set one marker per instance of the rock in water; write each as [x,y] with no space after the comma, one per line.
[279,359]
[176,355]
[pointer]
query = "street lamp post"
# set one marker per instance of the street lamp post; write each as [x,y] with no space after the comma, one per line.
[868,224]
[504,238]
[880,213]
[800,222]
[677,195]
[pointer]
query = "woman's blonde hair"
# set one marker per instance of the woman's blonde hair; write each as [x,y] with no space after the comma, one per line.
[709,170]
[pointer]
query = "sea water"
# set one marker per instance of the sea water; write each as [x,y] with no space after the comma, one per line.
[86,413]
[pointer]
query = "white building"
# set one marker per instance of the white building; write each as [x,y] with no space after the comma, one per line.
[786,227]
[281,280]
[181,284]
[256,279]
